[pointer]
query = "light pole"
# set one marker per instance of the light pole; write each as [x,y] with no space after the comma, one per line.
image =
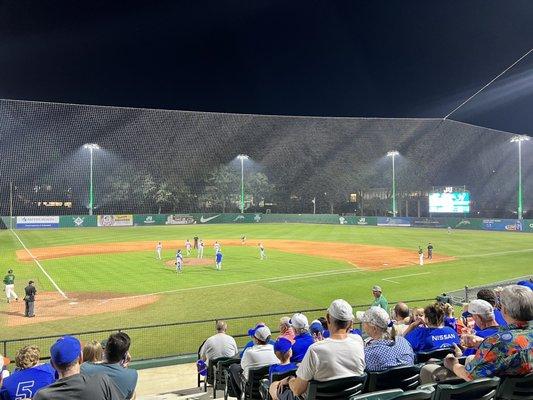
[393,153]
[91,147]
[519,139]
[242,157]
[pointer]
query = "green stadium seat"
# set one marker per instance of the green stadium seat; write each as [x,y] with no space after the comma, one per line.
[516,388]
[417,394]
[337,389]
[250,386]
[439,354]
[381,395]
[480,389]
[405,378]
[219,373]
[265,383]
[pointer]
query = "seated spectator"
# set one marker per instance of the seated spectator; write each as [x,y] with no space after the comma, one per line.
[528,283]
[316,330]
[282,349]
[115,364]
[449,319]
[4,373]
[285,329]
[490,297]
[251,333]
[219,345]
[259,355]
[324,323]
[303,338]
[30,374]
[384,350]
[431,335]
[66,356]
[483,315]
[401,318]
[508,352]
[93,352]
[379,299]
[339,356]
[417,313]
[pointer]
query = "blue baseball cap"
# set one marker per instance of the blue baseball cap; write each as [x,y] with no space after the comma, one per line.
[282,345]
[65,350]
[316,327]
[251,332]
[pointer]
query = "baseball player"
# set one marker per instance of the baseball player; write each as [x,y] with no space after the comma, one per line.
[262,254]
[218,260]
[9,282]
[200,248]
[420,256]
[430,251]
[188,247]
[179,262]
[243,239]
[449,230]
[159,249]
[216,246]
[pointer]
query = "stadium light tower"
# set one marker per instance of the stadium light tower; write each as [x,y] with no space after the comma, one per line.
[519,139]
[242,157]
[91,147]
[393,153]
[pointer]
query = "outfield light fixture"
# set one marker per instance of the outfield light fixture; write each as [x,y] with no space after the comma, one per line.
[242,157]
[91,147]
[519,139]
[393,154]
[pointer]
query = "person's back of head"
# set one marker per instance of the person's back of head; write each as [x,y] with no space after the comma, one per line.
[27,357]
[117,347]
[517,303]
[401,311]
[434,314]
[221,326]
[284,324]
[282,349]
[448,310]
[93,352]
[488,295]
[65,356]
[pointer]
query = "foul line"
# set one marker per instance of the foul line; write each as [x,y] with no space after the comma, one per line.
[389,279]
[498,253]
[40,266]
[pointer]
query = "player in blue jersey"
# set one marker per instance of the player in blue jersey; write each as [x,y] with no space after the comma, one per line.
[218,260]
[30,377]
[179,262]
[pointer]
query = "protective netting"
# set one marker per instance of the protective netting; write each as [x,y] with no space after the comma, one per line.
[160,160]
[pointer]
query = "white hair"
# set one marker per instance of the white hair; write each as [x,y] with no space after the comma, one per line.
[518,302]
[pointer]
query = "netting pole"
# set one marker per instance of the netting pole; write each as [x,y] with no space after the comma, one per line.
[10,206]
[519,179]
[91,184]
[393,189]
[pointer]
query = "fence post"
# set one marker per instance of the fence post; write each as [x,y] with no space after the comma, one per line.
[466,294]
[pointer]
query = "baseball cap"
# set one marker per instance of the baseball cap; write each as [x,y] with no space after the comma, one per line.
[251,332]
[316,327]
[282,345]
[480,307]
[262,333]
[299,321]
[376,288]
[341,310]
[65,350]
[376,316]
[4,361]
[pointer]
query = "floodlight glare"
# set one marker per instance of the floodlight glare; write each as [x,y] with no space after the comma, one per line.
[519,139]
[393,153]
[242,157]
[91,147]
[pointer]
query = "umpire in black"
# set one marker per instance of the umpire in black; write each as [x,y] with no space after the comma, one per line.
[29,299]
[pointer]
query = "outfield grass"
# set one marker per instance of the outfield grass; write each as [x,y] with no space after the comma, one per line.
[250,286]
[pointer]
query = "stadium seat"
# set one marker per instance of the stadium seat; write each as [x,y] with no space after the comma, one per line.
[516,388]
[337,389]
[219,376]
[480,389]
[250,386]
[265,383]
[405,378]
[417,394]
[210,379]
[202,379]
[381,395]
[439,354]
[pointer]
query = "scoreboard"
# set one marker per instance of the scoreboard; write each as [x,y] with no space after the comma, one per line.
[449,200]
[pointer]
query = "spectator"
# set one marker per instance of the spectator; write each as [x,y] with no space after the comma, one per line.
[282,350]
[384,350]
[30,375]
[379,299]
[4,373]
[93,352]
[483,315]
[339,356]
[508,352]
[401,318]
[303,338]
[66,357]
[449,319]
[417,313]
[316,330]
[325,326]
[251,333]
[285,329]
[490,297]
[528,283]
[219,345]
[259,355]
[115,365]
[431,335]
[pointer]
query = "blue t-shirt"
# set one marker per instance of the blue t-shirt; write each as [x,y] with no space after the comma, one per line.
[219,257]
[484,333]
[526,283]
[124,378]
[281,369]
[429,339]
[300,346]
[451,322]
[25,383]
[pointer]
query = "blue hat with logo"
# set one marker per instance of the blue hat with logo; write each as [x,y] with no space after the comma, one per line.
[251,332]
[316,327]
[65,350]
[282,345]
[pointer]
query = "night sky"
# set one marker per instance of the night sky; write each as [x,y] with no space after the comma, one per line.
[323,58]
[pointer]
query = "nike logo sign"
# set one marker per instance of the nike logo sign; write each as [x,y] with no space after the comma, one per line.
[204,220]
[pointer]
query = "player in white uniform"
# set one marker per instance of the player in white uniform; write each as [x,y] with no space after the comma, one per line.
[179,262]
[159,249]
[216,246]
[200,248]
[262,254]
[449,230]
[420,256]
[188,247]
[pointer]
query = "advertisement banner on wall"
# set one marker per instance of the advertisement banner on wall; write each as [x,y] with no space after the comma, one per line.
[115,220]
[394,221]
[149,219]
[36,222]
[503,225]
[179,219]
[528,225]
[361,221]
[428,223]
[77,221]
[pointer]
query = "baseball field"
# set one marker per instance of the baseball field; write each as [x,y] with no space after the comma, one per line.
[106,278]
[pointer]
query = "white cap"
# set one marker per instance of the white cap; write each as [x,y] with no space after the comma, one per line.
[480,307]
[262,333]
[299,321]
[377,288]
[341,310]
[376,316]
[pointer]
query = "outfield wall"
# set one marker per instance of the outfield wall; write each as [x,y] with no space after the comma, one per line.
[73,221]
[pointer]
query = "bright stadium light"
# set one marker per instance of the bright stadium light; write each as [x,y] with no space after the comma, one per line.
[242,157]
[519,139]
[393,153]
[91,147]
